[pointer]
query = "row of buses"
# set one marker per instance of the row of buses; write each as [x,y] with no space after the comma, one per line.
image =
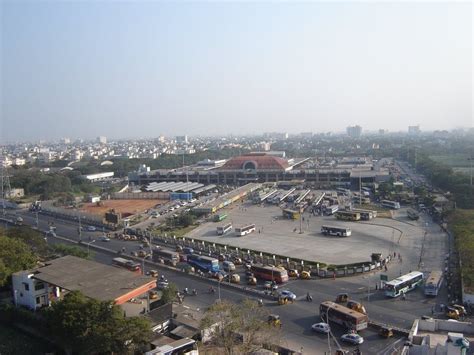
[410,281]
[240,231]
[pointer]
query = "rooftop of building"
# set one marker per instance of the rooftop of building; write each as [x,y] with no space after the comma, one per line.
[256,161]
[95,280]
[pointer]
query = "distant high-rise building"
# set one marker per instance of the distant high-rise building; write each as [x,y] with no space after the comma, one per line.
[102,139]
[182,139]
[381,132]
[354,131]
[414,130]
[65,140]
[161,139]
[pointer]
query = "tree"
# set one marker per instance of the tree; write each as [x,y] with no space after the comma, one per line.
[169,293]
[15,255]
[73,250]
[239,328]
[88,326]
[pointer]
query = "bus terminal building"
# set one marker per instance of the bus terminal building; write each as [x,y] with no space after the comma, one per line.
[261,167]
[39,287]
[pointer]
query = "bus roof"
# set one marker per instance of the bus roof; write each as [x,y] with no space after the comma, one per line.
[342,309]
[434,277]
[203,257]
[122,260]
[404,278]
[326,226]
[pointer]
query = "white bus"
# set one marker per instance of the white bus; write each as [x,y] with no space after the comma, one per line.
[403,284]
[221,230]
[337,231]
[433,283]
[391,204]
[241,231]
[330,210]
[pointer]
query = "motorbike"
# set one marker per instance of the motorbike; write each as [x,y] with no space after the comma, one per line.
[195,292]
[309,298]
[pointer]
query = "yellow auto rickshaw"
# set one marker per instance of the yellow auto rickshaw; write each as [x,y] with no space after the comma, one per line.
[274,319]
[284,300]
[235,279]
[153,295]
[293,273]
[461,310]
[452,313]
[386,332]
[252,281]
[305,275]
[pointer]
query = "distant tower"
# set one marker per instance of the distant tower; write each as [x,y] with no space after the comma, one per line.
[6,189]
[102,140]
[354,131]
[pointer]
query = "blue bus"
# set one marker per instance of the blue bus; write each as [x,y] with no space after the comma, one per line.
[204,263]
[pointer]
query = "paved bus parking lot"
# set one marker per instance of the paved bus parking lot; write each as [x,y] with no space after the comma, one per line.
[277,235]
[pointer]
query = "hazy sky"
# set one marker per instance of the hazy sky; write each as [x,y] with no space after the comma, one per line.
[141,69]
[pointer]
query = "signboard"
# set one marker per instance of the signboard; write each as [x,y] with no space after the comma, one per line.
[383,277]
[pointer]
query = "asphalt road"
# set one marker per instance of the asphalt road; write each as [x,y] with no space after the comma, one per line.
[298,317]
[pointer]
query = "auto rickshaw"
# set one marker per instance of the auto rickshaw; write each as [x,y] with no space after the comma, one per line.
[293,273]
[305,275]
[452,313]
[356,306]
[153,273]
[274,319]
[284,300]
[235,279]
[252,281]
[153,295]
[460,309]
[342,297]
[386,332]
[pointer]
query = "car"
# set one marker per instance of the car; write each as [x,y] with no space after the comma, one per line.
[352,338]
[269,285]
[321,328]
[91,228]
[162,285]
[288,294]
[104,238]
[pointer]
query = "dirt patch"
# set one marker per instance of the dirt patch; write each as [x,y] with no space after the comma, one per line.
[125,207]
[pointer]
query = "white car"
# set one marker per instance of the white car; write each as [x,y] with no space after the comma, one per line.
[162,285]
[91,228]
[352,338]
[321,328]
[288,294]
[103,238]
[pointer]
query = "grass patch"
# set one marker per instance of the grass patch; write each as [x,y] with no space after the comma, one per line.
[461,223]
[178,232]
[13,341]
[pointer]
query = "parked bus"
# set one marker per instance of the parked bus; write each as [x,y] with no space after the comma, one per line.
[348,215]
[220,217]
[205,263]
[366,215]
[127,264]
[270,273]
[333,312]
[245,230]
[331,210]
[226,228]
[433,283]
[291,214]
[413,215]
[170,257]
[336,231]
[390,204]
[403,284]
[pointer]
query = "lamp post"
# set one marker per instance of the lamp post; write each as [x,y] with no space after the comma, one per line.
[88,246]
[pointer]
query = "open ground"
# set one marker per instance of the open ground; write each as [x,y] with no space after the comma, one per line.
[125,207]
[277,235]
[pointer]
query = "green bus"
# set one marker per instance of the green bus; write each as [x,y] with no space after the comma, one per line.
[220,217]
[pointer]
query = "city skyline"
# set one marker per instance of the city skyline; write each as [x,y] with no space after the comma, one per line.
[138,70]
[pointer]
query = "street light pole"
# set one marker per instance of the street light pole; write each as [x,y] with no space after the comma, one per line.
[88,246]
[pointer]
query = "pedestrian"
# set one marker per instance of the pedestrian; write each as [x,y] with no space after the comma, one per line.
[400,272]
[386,269]
[432,310]
[376,287]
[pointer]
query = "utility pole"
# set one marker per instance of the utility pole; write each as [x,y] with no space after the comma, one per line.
[360,188]
[37,221]
[80,229]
